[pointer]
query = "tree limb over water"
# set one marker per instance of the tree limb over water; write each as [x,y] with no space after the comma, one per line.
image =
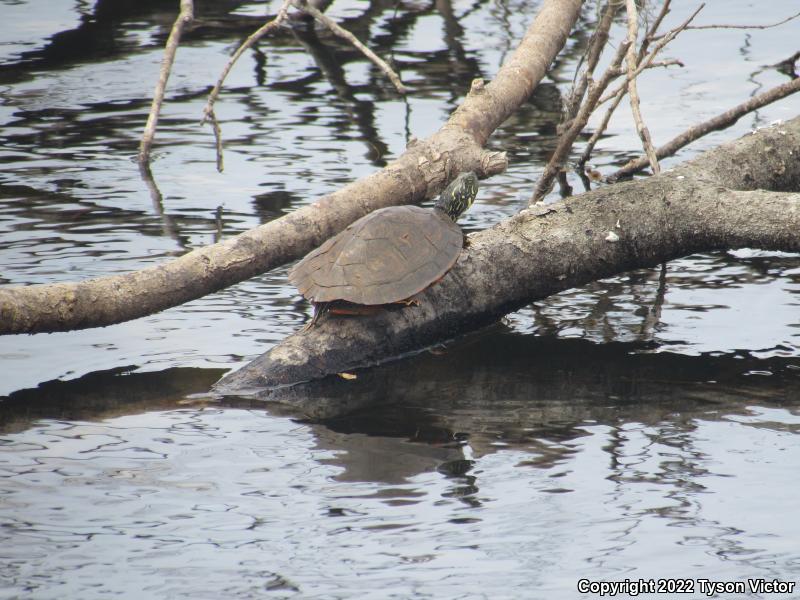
[184,17]
[419,173]
[742,194]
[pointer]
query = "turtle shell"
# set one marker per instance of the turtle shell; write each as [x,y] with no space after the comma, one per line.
[386,256]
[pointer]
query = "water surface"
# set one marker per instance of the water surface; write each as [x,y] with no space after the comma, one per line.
[642,426]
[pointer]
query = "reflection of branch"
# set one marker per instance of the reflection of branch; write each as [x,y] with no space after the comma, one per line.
[167,222]
[259,33]
[343,33]
[463,66]
[360,113]
[185,16]
[653,314]
[218,223]
[721,121]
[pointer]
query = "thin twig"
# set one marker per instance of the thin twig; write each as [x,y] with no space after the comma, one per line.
[185,16]
[587,151]
[565,141]
[343,33]
[670,62]
[254,37]
[644,63]
[633,91]
[593,53]
[648,60]
[623,89]
[721,121]
[651,31]
[786,20]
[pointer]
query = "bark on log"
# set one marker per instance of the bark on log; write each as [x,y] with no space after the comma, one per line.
[421,172]
[717,201]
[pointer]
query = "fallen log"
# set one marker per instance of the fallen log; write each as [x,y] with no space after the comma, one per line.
[741,194]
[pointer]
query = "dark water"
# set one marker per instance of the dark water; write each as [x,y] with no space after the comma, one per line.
[642,426]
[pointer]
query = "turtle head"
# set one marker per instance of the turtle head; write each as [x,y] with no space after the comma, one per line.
[459,195]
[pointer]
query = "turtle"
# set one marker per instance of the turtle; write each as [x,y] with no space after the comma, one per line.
[388,256]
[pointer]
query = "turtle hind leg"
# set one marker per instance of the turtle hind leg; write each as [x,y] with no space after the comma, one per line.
[319,310]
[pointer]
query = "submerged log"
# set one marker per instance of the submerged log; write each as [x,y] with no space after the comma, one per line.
[742,194]
[571,385]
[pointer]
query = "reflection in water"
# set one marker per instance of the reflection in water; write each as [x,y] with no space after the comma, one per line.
[167,222]
[359,112]
[103,395]
[435,473]
[498,388]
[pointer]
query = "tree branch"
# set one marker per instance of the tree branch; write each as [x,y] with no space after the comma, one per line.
[645,60]
[595,50]
[540,252]
[185,16]
[721,121]
[267,27]
[419,173]
[567,138]
[786,20]
[633,92]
